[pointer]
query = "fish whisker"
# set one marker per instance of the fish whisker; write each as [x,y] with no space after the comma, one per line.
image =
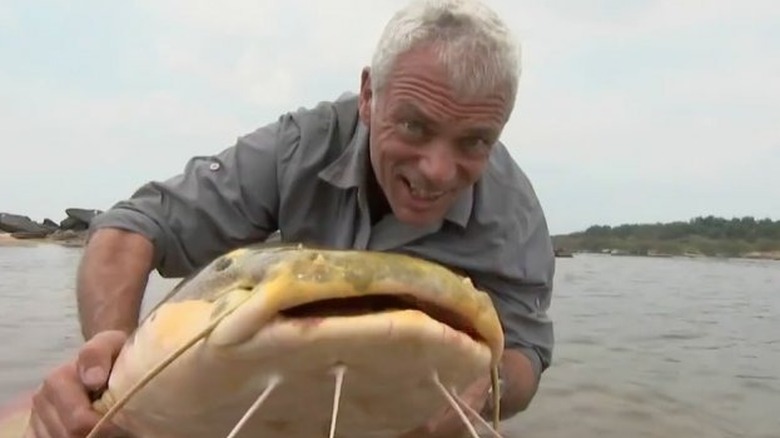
[141,383]
[273,382]
[493,431]
[455,405]
[339,370]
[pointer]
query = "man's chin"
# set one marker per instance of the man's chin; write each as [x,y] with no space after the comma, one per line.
[419,219]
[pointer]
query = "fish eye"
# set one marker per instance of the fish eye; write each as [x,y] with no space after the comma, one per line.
[223,263]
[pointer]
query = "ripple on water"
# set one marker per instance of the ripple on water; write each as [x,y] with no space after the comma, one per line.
[598,411]
[682,335]
[765,383]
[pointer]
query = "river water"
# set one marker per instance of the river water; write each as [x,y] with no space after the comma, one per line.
[646,347]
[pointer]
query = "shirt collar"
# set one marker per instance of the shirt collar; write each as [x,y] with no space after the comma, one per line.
[348,169]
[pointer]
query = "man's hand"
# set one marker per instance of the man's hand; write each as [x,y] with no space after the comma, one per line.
[521,385]
[447,423]
[61,407]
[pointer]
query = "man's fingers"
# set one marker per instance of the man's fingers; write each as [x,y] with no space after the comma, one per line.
[36,429]
[65,403]
[62,406]
[97,356]
[84,419]
[44,421]
[446,422]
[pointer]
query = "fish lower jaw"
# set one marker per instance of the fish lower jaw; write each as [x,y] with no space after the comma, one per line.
[304,357]
[357,333]
[387,310]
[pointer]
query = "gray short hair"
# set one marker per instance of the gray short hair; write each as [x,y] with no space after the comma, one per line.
[473,43]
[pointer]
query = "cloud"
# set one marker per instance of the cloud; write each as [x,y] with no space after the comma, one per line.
[269,53]
[610,86]
[65,149]
[621,101]
[6,15]
[648,110]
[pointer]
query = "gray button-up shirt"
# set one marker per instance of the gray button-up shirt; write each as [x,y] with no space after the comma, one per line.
[303,176]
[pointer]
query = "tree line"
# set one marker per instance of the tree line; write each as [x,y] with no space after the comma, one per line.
[705,235]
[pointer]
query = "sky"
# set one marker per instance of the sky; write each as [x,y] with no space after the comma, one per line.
[628,111]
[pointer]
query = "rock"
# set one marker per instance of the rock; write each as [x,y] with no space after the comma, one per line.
[71,223]
[66,234]
[14,223]
[69,237]
[82,214]
[71,231]
[48,223]
[31,234]
[78,219]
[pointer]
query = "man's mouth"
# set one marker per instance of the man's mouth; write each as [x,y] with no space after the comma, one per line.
[423,194]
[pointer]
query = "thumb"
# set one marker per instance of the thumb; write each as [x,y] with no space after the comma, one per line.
[96,357]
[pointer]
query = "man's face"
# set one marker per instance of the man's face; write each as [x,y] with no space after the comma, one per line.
[426,145]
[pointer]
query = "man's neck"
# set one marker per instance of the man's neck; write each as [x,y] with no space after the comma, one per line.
[378,206]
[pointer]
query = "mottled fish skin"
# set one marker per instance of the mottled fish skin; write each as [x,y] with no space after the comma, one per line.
[247,267]
[309,274]
[226,272]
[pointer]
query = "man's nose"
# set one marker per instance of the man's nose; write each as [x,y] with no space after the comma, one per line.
[437,164]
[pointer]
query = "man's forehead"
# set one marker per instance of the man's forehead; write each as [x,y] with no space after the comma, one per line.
[410,107]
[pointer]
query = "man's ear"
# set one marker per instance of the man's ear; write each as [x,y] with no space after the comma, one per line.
[364,106]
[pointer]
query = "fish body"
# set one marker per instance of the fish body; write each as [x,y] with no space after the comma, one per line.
[290,341]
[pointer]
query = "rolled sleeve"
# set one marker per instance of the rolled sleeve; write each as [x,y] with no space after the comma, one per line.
[523,300]
[521,284]
[217,203]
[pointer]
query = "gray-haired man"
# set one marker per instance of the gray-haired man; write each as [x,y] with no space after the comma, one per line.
[411,164]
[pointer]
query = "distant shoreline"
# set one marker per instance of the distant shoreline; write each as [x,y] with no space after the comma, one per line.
[714,237]
[771,255]
[9,241]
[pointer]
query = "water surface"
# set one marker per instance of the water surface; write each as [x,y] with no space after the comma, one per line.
[667,347]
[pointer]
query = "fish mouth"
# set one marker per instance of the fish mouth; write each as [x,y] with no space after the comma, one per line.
[346,291]
[378,304]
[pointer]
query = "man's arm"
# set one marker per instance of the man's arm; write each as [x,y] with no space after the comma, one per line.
[111,280]
[522,306]
[176,226]
[519,274]
[521,381]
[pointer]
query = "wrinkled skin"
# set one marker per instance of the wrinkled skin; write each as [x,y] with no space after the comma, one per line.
[423,135]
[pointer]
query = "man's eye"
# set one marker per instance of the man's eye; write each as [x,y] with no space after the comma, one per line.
[475,144]
[413,127]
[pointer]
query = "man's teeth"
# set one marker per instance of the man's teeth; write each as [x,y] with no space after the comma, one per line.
[422,193]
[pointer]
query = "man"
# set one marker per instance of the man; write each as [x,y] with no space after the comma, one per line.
[413,164]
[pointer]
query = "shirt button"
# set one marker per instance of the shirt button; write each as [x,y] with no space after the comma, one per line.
[214,166]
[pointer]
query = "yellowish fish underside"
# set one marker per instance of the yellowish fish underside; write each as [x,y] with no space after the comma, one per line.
[298,342]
